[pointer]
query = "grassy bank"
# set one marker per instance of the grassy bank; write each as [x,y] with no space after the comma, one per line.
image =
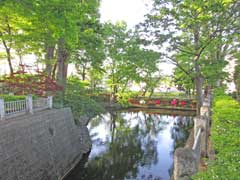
[225,135]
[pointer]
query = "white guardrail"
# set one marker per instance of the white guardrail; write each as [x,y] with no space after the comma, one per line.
[197,142]
[16,108]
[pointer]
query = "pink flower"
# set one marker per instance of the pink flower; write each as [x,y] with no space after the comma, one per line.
[158,101]
[183,103]
[174,102]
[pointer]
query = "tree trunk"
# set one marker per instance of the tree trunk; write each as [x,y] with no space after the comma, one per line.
[84,73]
[54,71]
[62,64]
[113,98]
[8,47]
[151,93]
[238,95]
[9,60]
[198,77]
[199,87]
[145,91]
[49,59]
[8,52]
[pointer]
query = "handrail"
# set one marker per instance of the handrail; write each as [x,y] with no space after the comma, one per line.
[15,108]
[41,103]
[168,97]
[197,139]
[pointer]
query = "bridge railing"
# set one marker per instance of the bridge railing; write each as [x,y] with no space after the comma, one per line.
[20,107]
[190,97]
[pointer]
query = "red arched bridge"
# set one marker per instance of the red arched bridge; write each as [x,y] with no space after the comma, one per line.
[175,103]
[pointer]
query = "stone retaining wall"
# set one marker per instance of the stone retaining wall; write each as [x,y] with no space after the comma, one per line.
[187,159]
[43,146]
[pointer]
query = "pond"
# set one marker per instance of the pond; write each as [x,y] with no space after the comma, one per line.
[132,146]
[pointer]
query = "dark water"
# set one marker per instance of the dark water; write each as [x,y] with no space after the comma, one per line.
[132,146]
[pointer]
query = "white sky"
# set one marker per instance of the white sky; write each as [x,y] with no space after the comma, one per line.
[131,11]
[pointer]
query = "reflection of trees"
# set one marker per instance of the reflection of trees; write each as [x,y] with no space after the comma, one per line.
[78,170]
[180,130]
[128,146]
[122,156]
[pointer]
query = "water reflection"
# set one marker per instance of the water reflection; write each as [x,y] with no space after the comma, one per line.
[132,146]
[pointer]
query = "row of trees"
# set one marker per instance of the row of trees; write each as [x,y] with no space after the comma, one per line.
[197,36]
[201,35]
[63,32]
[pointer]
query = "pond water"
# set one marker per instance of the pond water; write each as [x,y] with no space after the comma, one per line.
[132,146]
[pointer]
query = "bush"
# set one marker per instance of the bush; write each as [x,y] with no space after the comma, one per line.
[122,98]
[82,105]
[76,96]
[8,98]
[226,140]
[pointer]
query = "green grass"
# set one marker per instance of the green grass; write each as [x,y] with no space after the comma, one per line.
[226,140]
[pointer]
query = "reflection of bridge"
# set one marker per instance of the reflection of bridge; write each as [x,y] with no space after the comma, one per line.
[172,103]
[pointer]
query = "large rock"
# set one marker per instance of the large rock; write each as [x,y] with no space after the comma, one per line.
[185,163]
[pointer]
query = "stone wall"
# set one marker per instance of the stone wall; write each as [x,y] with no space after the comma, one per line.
[43,146]
[187,159]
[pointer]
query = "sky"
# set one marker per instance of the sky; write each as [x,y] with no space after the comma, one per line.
[131,11]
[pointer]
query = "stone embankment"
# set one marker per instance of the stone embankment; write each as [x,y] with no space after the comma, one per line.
[42,146]
[187,159]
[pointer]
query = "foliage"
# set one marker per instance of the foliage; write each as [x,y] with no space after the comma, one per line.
[123,97]
[225,137]
[76,97]
[11,97]
[12,30]
[50,29]
[198,36]
[22,83]
[126,59]
[89,54]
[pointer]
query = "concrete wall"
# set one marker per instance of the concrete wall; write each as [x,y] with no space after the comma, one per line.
[43,146]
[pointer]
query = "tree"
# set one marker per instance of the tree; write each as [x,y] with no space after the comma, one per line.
[89,54]
[126,60]
[191,28]
[55,28]
[12,29]
[115,40]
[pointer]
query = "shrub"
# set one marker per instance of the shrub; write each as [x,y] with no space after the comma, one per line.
[123,98]
[8,98]
[76,96]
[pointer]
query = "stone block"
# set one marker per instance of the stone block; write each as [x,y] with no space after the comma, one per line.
[185,164]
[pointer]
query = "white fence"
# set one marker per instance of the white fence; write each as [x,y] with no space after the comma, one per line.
[16,108]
